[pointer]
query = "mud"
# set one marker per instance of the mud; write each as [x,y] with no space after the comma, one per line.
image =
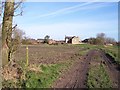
[76,77]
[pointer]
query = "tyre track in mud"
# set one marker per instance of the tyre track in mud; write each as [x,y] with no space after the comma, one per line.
[77,75]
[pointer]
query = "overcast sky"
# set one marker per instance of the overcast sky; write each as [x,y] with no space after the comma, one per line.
[83,19]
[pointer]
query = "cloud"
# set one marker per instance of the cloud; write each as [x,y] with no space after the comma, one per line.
[84,29]
[82,6]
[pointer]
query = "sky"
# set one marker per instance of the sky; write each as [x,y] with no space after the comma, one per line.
[57,19]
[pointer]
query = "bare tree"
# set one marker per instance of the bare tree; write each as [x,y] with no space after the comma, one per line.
[110,40]
[17,36]
[101,37]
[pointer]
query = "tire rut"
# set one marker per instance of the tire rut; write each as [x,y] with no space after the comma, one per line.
[77,75]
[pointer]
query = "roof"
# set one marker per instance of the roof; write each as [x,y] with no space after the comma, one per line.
[70,37]
[40,39]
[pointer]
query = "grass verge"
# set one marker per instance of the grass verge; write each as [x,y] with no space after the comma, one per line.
[112,51]
[98,78]
[41,76]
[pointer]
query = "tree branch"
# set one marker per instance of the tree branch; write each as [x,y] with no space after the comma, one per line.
[17,5]
[19,13]
[14,26]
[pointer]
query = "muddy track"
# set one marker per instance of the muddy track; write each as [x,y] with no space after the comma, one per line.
[111,67]
[76,76]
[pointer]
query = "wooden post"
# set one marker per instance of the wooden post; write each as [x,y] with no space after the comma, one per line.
[27,56]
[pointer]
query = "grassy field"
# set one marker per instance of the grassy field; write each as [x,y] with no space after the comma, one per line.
[48,62]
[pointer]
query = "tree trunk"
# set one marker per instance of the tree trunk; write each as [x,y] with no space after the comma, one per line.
[7,30]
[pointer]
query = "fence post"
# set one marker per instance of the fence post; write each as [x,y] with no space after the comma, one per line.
[27,56]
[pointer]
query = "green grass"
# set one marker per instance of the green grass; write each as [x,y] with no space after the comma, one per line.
[98,78]
[45,78]
[113,52]
[41,79]
[110,50]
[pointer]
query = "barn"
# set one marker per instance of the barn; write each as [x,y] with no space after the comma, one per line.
[72,40]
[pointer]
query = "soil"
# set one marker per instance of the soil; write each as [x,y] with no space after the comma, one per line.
[41,54]
[76,77]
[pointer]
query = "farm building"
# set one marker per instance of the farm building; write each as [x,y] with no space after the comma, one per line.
[40,40]
[72,40]
[60,42]
[85,41]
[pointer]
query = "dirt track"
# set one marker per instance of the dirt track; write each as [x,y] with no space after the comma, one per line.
[76,76]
